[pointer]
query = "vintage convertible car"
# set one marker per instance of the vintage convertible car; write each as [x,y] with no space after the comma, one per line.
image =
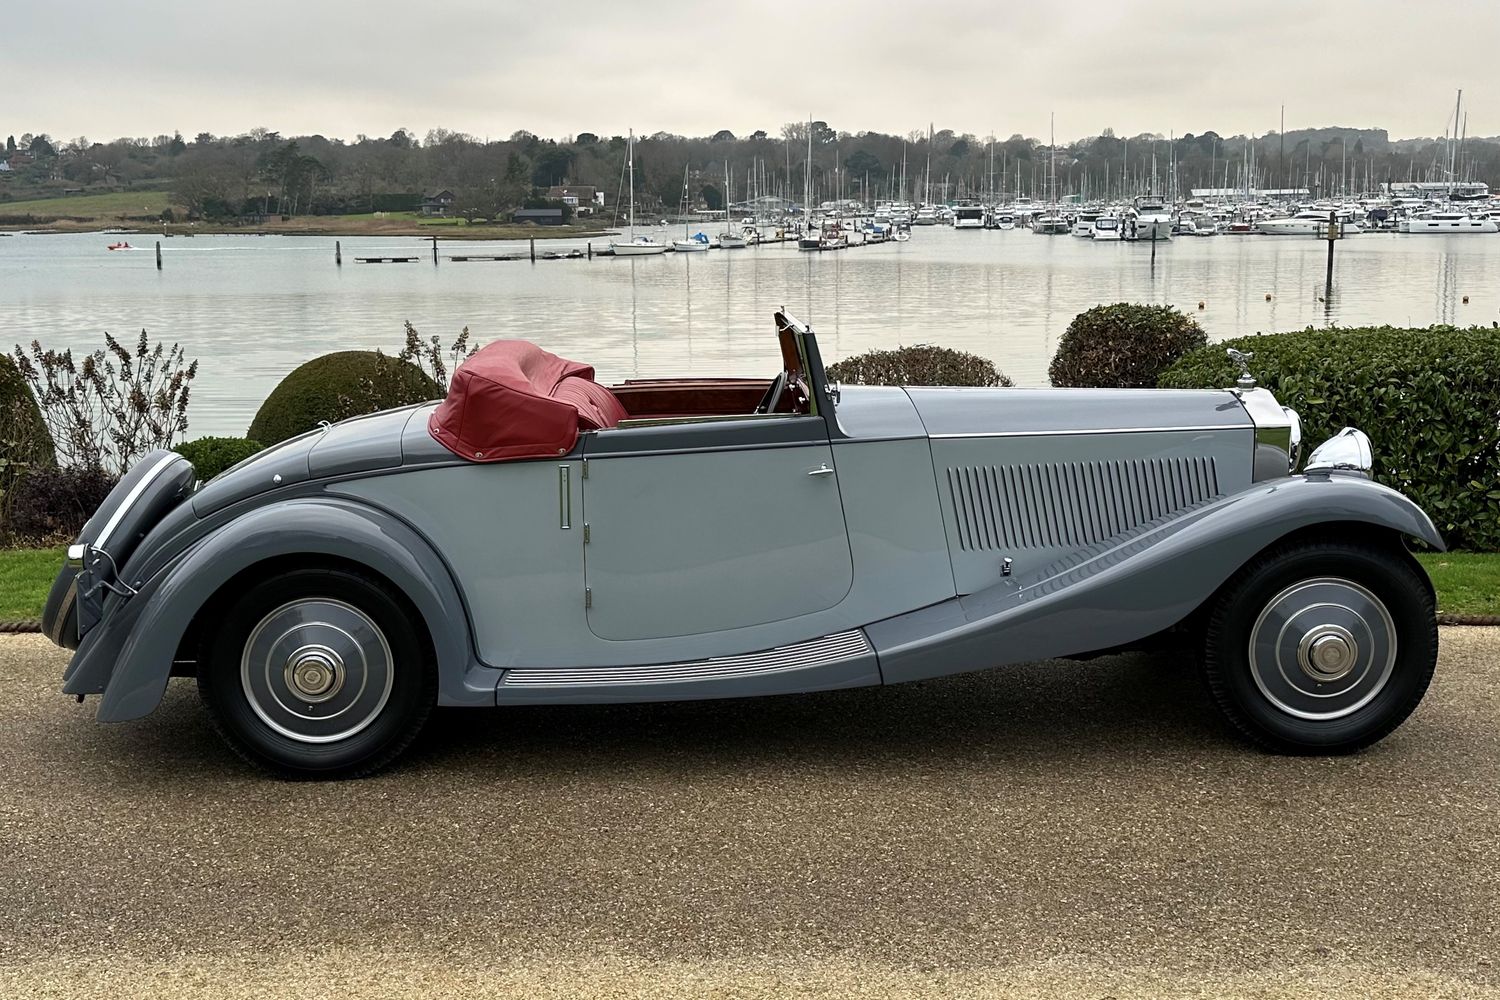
[537,537]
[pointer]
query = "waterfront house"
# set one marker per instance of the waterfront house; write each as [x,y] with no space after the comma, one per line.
[581,198]
[438,205]
[540,216]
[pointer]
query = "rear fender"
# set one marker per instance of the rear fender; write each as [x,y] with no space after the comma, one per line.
[129,656]
[1135,586]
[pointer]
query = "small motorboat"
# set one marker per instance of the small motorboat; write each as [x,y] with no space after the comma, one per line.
[119,246]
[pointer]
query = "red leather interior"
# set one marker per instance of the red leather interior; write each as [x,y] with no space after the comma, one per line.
[690,397]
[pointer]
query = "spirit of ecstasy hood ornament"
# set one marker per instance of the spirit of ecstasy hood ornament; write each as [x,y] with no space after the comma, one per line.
[1242,358]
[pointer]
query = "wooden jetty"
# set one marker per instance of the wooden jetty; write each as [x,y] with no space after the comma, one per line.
[386,260]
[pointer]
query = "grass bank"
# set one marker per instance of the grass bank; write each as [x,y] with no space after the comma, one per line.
[1468,583]
[128,209]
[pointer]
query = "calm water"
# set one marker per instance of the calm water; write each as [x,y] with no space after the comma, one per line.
[252,308]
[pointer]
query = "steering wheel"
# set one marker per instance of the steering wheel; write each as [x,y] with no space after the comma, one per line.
[772,398]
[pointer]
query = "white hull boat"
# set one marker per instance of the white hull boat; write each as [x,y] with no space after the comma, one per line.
[641,246]
[1450,223]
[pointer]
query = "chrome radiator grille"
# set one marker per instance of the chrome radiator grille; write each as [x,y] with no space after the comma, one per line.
[1071,504]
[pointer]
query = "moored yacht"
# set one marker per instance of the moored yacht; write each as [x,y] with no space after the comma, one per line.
[1084,225]
[1447,222]
[1106,227]
[1151,221]
[968,217]
[1308,222]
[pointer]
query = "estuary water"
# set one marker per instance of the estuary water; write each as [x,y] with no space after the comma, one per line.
[251,308]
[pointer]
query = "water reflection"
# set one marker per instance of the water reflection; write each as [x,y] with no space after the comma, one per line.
[252,308]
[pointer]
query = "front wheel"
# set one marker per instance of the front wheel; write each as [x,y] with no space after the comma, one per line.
[318,673]
[1322,647]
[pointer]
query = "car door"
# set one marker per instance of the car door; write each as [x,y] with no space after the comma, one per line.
[714,525]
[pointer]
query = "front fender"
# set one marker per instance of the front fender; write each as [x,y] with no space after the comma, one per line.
[1134,586]
[129,656]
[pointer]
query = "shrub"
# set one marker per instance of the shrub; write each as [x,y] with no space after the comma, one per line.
[1122,346]
[25,443]
[113,406]
[434,359]
[1428,398]
[212,455]
[335,387]
[920,364]
[50,504]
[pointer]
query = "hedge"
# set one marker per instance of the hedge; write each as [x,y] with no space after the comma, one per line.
[25,442]
[337,386]
[1428,398]
[1122,346]
[920,364]
[212,455]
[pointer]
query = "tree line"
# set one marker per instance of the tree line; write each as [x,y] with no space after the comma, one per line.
[264,172]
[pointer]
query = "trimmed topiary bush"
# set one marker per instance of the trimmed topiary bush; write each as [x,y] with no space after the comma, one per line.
[338,386]
[25,442]
[1428,398]
[920,364]
[1122,346]
[212,455]
[52,504]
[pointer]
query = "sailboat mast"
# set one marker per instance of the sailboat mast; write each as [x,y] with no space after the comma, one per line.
[630,158]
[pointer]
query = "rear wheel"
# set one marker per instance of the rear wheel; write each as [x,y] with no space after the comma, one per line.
[1322,648]
[318,674]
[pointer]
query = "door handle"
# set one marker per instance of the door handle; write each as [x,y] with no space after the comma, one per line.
[822,470]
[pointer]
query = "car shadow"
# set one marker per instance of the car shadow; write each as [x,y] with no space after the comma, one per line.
[1056,708]
[1036,713]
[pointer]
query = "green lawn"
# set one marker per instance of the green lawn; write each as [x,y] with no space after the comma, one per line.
[111,205]
[25,577]
[1468,583]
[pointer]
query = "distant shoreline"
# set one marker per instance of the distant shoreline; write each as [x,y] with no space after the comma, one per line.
[331,225]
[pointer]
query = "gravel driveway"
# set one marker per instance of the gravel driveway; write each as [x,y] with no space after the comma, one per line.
[1059,829]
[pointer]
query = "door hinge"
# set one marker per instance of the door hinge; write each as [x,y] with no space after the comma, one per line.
[588,598]
[585,532]
[585,464]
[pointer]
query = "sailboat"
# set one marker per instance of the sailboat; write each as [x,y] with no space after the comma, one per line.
[639,246]
[731,238]
[688,244]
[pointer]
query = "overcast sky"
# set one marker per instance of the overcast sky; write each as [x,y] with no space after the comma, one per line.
[110,68]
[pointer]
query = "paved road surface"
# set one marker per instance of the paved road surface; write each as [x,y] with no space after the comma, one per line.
[1061,829]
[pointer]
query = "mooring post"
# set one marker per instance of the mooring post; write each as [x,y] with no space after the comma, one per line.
[158,255]
[434,251]
[533,249]
[338,253]
[1333,234]
[1153,245]
[591,249]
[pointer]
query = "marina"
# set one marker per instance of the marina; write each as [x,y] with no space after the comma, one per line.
[272,302]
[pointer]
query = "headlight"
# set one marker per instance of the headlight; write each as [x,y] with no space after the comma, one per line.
[1347,451]
[1294,447]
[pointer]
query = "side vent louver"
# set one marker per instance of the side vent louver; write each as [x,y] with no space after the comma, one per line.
[1071,504]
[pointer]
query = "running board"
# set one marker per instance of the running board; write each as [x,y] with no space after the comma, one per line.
[842,660]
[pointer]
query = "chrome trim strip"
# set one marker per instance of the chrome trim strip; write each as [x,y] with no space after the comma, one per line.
[131,498]
[1092,430]
[799,656]
[564,499]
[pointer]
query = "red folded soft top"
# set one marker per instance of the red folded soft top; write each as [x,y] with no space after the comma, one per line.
[503,403]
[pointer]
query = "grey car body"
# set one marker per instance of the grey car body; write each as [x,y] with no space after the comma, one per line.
[882,534]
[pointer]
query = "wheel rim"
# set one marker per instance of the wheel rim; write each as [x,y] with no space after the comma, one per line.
[1323,648]
[317,670]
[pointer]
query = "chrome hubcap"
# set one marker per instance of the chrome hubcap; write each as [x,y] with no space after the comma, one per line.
[1323,648]
[317,670]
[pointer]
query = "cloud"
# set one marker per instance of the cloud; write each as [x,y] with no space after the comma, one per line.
[339,67]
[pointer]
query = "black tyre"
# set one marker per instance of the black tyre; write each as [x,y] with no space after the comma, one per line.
[1322,647]
[318,674]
